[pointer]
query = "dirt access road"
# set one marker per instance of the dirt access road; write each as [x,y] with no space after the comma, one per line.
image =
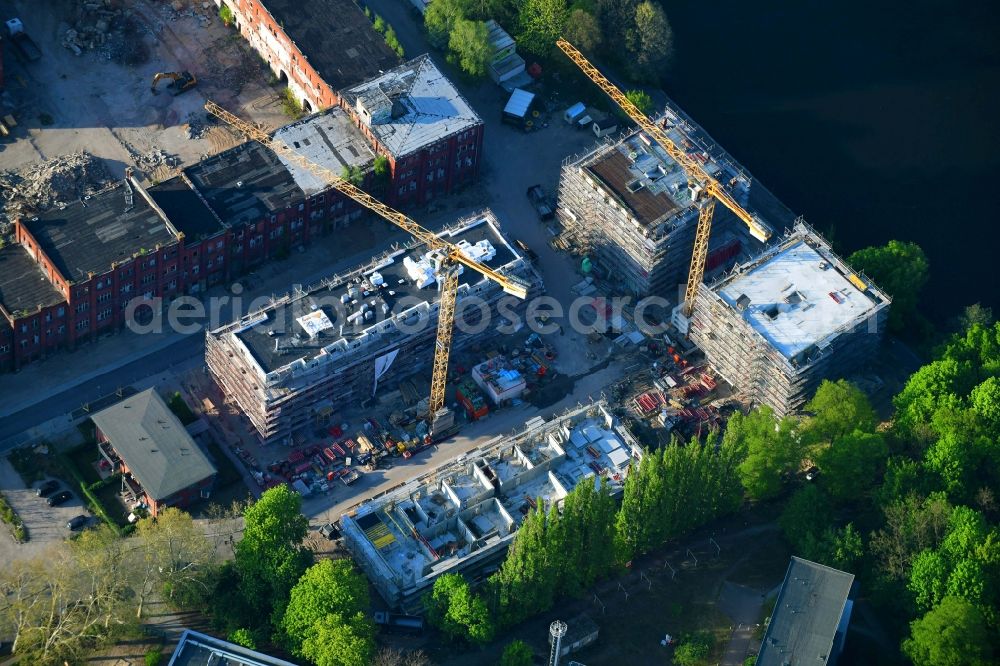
[64,102]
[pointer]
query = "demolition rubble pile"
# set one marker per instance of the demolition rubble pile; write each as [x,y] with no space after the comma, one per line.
[107,27]
[37,187]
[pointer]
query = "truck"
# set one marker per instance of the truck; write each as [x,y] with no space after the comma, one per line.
[22,42]
[397,622]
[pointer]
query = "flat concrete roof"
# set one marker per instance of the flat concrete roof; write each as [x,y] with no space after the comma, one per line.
[185,209]
[87,236]
[23,285]
[281,338]
[245,183]
[798,295]
[425,106]
[806,615]
[336,38]
[329,139]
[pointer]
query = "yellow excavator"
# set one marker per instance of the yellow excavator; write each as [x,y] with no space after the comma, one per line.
[180,81]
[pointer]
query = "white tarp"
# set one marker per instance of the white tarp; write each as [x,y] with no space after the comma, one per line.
[421,272]
[382,364]
[483,251]
[315,322]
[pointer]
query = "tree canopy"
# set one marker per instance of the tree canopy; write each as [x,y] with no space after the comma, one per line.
[517,653]
[650,41]
[458,612]
[470,47]
[338,640]
[270,558]
[540,24]
[952,634]
[327,587]
[582,30]
[773,450]
[641,99]
[901,269]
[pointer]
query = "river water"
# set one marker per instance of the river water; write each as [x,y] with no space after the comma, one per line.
[874,119]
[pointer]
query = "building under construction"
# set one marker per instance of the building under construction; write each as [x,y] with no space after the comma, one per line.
[461,517]
[310,353]
[778,325]
[628,205]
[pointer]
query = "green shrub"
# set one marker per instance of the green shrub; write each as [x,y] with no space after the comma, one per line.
[9,516]
[244,637]
[154,657]
[517,653]
[393,42]
[694,648]
[290,105]
[226,14]
[181,409]
[23,460]
[380,25]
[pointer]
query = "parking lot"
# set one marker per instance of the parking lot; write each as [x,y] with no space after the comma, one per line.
[46,525]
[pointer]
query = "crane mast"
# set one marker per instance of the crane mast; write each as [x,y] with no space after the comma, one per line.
[447,273]
[707,187]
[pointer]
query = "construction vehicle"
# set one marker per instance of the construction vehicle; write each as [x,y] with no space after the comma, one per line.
[180,81]
[25,45]
[705,190]
[448,259]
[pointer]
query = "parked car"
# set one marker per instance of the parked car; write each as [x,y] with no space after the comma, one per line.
[76,522]
[60,498]
[47,488]
[330,531]
[536,194]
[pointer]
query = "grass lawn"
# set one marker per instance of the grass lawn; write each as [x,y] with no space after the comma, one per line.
[83,458]
[108,497]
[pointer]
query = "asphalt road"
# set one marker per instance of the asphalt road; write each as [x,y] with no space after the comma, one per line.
[185,349]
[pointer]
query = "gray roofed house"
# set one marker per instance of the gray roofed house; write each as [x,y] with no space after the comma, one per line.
[810,617]
[410,107]
[161,464]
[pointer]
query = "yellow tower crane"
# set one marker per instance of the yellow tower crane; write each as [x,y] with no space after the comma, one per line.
[450,256]
[706,189]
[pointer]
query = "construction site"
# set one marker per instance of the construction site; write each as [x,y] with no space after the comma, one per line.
[776,326]
[414,347]
[461,517]
[629,206]
[292,364]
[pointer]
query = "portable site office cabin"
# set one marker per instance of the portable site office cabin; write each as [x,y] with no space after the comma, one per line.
[519,110]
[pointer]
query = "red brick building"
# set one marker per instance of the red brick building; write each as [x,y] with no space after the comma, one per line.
[75,269]
[416,117]
[161,465]
[315,47]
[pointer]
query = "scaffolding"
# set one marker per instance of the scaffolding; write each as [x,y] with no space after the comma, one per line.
[288,392]
[765,371]
[627,204]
